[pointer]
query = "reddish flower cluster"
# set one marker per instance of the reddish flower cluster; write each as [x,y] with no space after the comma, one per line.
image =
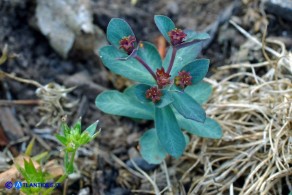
[128,44]
[176,36]
[154,94]
[162,77]
[183,79]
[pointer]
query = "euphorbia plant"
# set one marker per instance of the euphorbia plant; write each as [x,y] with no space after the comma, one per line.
[170,91]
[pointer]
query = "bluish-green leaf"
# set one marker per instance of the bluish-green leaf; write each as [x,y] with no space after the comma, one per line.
[91,129]
[169,134]
[200,92]
[209,129]
[166,99]
[188,107]
[183,57]
[131,68]
[164,24]
[198,69]
[187,139]
[150,147]
[117,103]
[148,52]
[130,92]
[116,30]
[192,35]
[140,92]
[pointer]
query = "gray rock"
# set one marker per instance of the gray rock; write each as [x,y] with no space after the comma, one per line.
[142,164]
[67,22]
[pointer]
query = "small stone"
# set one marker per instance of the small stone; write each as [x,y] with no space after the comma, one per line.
[142,164]
[118,191]
[84,191]
[282,8]
[133,153]
[172,7]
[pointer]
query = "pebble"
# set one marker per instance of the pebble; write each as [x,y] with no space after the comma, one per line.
[143,164]
[282,8]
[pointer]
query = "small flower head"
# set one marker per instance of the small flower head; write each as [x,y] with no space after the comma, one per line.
[183,79]
[128,44]
[162,77]
[154,94]
[176,36]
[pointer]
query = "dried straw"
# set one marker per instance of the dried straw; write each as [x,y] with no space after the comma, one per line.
[255,111]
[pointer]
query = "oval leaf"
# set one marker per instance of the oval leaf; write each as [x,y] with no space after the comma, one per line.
[209,129]
[168,131]
[117,103]
[150,147]
[192,35]
[165,100]
[148,52]
[198,69]
[188,107]
[116,30]
[183,56]
[91,129]
[140,92]
[131,69]
[200,92]
[164,24]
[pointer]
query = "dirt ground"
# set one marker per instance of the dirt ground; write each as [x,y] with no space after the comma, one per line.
[103,164]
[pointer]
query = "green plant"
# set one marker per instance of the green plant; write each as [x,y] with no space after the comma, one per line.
[170,92]
[71,138]
[32,176]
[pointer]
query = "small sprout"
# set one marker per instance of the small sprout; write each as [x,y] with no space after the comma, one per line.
[162,78]
[177,36]
[32,175]
[128,44]
[154,94]
[72,138]
[183,79]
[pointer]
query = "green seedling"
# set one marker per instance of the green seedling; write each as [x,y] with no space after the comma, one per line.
[170,91]
[32,176]
[72,139]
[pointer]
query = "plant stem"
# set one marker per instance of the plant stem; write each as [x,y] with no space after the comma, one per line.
[174,50]
[164,168]
[72,159]
[60,180]
[146,66]
[19,102]
[27,81]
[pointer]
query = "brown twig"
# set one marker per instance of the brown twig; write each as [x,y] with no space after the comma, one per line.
[19,102]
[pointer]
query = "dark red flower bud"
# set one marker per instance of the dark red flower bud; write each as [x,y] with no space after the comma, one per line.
[128,44]
[183,79]
[162,77]
[154,94]
[176,36]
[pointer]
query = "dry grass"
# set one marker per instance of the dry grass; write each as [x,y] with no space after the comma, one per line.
[253,103]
